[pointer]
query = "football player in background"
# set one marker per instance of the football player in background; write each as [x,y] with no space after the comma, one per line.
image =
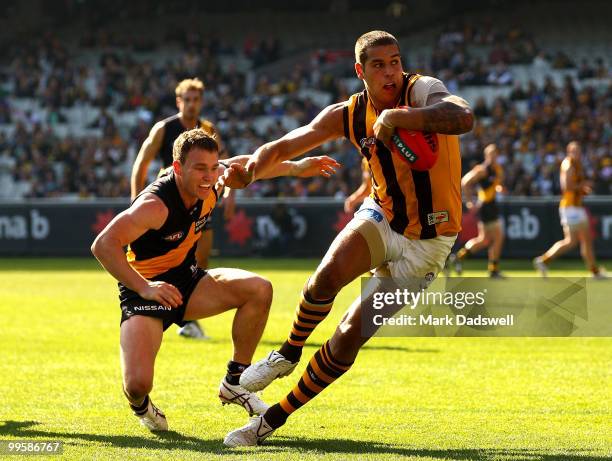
[574,218]
[488,177]
[363,191]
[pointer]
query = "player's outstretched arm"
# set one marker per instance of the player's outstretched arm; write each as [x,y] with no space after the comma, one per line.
[148,212]
[236,175]
[326,126]
[149,149]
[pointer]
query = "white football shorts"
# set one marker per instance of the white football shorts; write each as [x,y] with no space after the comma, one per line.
[413,264]
[573,216]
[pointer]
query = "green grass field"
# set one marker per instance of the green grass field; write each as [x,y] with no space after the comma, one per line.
[416,398]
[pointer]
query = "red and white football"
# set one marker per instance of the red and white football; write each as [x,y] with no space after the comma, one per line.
[419,149]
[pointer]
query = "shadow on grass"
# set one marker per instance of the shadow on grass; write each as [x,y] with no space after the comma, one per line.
[170,440]
[344,446]
[315,345]
[174,441]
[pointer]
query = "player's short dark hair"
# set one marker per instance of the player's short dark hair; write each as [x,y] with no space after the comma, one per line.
[192,139]
[370,39]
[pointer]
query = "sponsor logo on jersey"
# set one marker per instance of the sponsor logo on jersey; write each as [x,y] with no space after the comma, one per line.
[437,217]
[174,237]
[200,223]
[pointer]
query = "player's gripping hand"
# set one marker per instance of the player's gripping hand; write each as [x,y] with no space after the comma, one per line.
[315,166]
[383,128]
[162,292]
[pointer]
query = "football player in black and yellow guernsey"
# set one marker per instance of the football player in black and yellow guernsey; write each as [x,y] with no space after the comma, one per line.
[488,177]
[189,98]
[160,282]
[405,229]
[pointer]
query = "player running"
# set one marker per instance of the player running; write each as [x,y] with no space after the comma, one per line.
[488,177]
[574,219]
[408,224]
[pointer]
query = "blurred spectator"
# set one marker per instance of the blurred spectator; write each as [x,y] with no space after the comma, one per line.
[585,71]
[78,113]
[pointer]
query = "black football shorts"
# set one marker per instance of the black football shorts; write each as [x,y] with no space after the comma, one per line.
[132,304]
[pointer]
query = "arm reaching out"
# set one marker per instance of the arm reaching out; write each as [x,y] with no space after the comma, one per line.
[236,176]
[328,125]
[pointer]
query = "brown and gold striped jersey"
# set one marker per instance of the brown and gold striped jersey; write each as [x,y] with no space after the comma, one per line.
[572,197]
[418,204]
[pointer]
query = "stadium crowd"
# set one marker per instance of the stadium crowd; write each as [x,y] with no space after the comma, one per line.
[42,163]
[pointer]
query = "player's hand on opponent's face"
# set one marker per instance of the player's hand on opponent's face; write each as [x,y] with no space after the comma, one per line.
[236,176]
[383,128]
[162,292]
[316,166]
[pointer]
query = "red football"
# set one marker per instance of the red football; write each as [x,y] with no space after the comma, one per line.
[418,148]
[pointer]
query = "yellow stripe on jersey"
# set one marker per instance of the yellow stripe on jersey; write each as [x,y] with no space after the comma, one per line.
[157,265]
[417,204]
[149,268]
[488,185]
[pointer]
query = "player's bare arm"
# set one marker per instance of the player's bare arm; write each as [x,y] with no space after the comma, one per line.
[443,113]
[148,212]
[468,182]
[566,177]
[149,149]
[501,188]
[473,176]
[327,125]
[237,176]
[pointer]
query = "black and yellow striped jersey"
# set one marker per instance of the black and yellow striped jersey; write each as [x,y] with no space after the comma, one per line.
[173,128]
[418,204]
[488,185]
[168,253]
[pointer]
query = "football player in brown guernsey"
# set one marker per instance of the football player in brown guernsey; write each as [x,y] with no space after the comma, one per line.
[488,177]
[404,230]
[189,98]
[574,218]
[160,282]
